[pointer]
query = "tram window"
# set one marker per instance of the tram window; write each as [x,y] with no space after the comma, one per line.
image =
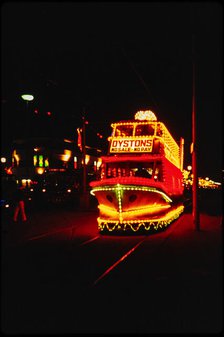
[144,170]
[124,130]
[114,172]
[123,172]
[158,171]
[117,170]
[109,173]
[159,131]
[144,130]
[102,171]
[128,169]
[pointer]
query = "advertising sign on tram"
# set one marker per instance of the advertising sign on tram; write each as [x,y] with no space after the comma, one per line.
[131,145]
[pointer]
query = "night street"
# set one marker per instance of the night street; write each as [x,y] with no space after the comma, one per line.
[111,168]
[60,275]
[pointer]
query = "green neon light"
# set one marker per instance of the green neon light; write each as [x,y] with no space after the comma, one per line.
[41,161]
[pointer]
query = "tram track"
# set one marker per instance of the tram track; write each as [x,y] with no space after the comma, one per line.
[90,240]
[118,262]
[47,234]
[100,255]
[71,230]
[111,281]
[58,231]
[157,244]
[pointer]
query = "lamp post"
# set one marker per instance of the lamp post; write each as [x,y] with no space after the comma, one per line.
[28,98]
[84,152]
[195,209]
[85,194]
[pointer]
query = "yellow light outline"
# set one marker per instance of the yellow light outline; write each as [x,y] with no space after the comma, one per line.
[172,150]
[137,211]
[145,223]
[130,187]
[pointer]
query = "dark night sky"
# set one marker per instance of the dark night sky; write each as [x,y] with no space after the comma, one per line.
[114,59]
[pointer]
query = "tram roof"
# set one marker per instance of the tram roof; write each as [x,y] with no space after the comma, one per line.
[134,121]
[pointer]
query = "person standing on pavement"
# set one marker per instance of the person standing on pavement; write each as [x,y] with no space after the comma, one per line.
[20,204]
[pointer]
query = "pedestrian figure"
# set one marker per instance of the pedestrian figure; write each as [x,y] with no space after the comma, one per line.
[20,204]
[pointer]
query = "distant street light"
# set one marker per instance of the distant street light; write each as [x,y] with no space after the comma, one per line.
[27,97]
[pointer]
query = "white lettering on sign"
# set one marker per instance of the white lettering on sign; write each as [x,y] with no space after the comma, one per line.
[131,145]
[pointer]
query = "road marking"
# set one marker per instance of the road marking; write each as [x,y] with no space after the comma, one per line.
[119,261]
[167,235]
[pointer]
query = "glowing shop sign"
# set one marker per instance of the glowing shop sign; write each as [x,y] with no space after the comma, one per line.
[131,145]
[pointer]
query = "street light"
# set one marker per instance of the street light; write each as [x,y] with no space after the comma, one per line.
[27,97]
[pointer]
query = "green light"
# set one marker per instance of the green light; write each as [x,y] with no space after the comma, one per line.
[27,97]
[41,163]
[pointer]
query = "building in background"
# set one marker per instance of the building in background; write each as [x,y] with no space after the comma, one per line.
[53,167]
[38,156]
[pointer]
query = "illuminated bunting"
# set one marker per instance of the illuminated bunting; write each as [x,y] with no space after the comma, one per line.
[131,144]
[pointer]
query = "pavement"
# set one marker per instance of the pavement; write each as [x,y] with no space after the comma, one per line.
[45,220]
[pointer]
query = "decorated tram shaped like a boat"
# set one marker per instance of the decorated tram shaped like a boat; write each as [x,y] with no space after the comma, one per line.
[140,186]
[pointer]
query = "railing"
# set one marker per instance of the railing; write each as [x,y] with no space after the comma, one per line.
[171,148]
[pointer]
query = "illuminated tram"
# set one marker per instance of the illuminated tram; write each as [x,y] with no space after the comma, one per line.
[140,186]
